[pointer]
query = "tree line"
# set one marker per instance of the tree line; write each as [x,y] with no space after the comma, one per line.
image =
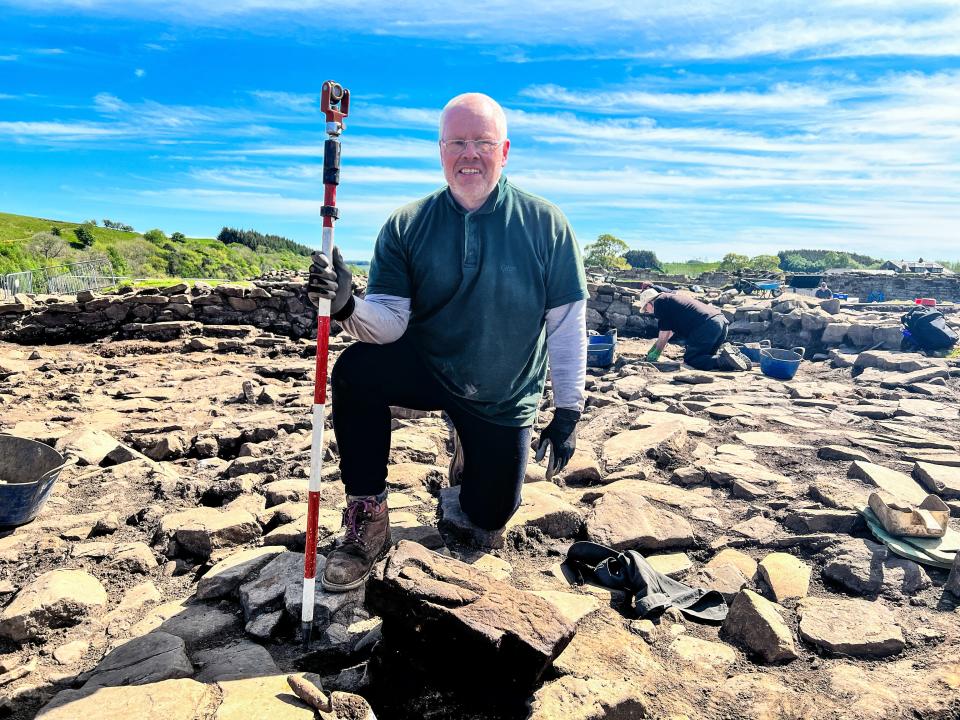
[255,240]
[612,253]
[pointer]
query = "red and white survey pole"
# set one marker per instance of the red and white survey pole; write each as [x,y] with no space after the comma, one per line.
[335,104]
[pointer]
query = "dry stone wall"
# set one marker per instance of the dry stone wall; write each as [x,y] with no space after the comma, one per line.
[276,304]
[897,287]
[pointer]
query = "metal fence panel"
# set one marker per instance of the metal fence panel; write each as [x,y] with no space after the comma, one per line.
[60,279]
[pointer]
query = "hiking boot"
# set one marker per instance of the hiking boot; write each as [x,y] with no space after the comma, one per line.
[455,470]
[366,539]
[730,358]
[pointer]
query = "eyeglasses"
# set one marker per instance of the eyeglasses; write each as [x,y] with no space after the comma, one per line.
[458,147]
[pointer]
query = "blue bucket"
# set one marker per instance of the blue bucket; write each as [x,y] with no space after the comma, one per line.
[601,349]
[752,350]
[28,470]
[781,364]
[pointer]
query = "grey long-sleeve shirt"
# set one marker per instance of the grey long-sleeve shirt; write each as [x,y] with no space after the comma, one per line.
[382,319]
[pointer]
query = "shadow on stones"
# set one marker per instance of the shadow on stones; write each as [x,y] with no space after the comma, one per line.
[437,684]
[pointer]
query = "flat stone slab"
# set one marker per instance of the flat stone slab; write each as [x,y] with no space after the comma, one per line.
[850,627]
[703,653]
[632,445]
[649,418]
[425,599]
[942,480]
[91,446]
[657,491]
[237,660]
[869,568]
[917,407]
[726,578]
[203,533]
[740,560]
[166,700]
[934,457]
[573,607]
[896,483]
[767,440]
[262,696]
[894,380]
[415,476]
[584,467]
[58,598]
[147,659]
[624,520]
[196,622]
[788,577]
[595,698]
[227,575]
[723,470]
[755,623]
[673,565]
[841,452]
[758,528]
[815,520]
[543,506]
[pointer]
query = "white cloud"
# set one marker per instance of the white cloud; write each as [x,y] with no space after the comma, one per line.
[9,58]
[20,130]
[356,146]
[48,51]
[139,72]
[610,28]
[296,102]
[782,98]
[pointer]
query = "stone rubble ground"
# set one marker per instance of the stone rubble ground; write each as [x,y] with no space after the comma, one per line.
[162,580]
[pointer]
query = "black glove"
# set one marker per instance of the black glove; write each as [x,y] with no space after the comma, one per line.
[561,436]
[334,284]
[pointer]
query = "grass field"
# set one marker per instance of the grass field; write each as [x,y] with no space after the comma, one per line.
[691,268]
[133,255]
[20,228]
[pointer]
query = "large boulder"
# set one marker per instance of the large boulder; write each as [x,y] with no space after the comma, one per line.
[787,577]
[756,623]
[90,445]
[202,530]
[427,601]
[868,568]
[59,598]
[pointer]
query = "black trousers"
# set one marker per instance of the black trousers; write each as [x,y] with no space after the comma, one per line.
[703,342]
[367,379]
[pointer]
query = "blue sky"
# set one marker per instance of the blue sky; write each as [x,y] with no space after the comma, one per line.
[690,128]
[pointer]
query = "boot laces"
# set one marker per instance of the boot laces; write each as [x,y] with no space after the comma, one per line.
[355,518]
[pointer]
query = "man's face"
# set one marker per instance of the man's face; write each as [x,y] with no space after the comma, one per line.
[472,175]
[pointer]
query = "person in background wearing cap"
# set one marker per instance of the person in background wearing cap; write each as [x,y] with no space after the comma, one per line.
[702,326]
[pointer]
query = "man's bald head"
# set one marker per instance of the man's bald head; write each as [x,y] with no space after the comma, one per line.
[480,104]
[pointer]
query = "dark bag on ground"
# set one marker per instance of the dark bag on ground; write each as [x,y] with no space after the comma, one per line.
[652,591]
[928,330]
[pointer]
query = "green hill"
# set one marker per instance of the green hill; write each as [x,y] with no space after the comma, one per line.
[29,243]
